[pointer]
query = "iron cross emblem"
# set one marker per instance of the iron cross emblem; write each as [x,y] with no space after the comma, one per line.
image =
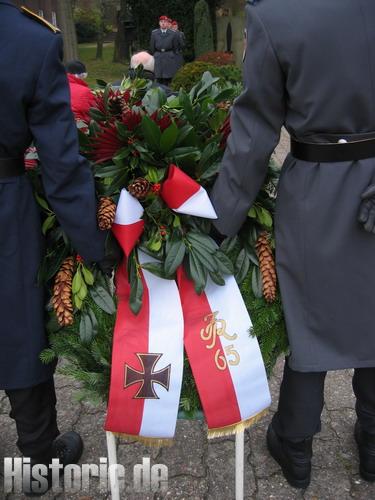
[147,377]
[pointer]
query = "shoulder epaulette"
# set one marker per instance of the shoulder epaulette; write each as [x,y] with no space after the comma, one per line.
[39,19]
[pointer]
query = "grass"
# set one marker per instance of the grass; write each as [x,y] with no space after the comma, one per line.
[98,69]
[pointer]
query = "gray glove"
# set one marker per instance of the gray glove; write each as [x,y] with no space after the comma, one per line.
[367,209]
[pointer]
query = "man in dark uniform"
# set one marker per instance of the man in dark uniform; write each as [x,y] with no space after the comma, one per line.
[179,58]
[164,47]
[35,106]
[311,67]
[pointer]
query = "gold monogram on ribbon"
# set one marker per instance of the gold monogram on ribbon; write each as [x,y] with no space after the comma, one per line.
[218,327]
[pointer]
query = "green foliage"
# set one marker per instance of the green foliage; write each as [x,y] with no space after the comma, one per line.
[190,74]
[203,34]
[100,69]
[177,9]
[87,24]
[268,324]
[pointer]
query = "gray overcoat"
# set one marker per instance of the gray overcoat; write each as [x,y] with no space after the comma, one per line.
[164,47]
[311,67]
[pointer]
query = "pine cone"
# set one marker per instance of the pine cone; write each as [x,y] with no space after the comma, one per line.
[62,293]
[139,188]
[267,267]
[106,213]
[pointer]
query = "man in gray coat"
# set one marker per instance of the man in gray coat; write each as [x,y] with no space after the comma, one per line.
[311,67]
[164,47]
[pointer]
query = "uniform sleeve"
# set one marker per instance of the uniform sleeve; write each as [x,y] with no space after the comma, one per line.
[152,43]
[67,177]
[256,120]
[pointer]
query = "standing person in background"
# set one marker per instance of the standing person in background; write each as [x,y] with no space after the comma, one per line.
[181,45]
[164,47]
[82,99]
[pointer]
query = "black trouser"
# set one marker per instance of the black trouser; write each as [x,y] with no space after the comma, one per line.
[164,81]
[302,398]
[34,411]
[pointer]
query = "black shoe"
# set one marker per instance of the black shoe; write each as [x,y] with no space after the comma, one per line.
[366,448]
[67,448]
[294,458]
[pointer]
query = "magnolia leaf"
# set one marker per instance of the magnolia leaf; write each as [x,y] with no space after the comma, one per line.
[168,138]
[85,329]
[77,282]
[156,268]
[229,244]
[203,240]
[82,293]
[197,273]
[136,294]
[256,282]
[186,136]
[242,266]
[187,106]
[217,278]
[151,133]
[174,257]
[94,323]
[204,257]
[88,276]
[77,302]
[224,263]
[42,202]
[48,223]
[103,299]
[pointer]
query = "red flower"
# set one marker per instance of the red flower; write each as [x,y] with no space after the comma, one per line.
[79,259]
[106,143]
[99,103]
[156,188]
[131,119]
[163,122]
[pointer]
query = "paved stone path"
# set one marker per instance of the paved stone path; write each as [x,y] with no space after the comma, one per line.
[204,470]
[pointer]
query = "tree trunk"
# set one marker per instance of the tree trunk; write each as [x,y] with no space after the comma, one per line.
[122,47]
[66,24]
[101,33]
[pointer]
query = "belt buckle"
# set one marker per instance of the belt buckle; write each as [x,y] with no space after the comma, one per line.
[162,50]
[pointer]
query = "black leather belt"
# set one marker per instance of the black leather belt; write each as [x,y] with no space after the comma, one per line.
[332,152]
[11,167]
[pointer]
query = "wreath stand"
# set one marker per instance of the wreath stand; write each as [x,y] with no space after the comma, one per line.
[112,460]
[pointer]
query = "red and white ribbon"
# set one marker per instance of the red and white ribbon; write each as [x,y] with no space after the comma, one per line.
[128,225]
[147,356]
[185,196]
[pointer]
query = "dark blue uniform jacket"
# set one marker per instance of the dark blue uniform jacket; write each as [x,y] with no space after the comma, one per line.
[35,106]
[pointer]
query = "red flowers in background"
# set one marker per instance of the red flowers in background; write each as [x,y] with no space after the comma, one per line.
[131,119]
[106,143]
[162,122]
